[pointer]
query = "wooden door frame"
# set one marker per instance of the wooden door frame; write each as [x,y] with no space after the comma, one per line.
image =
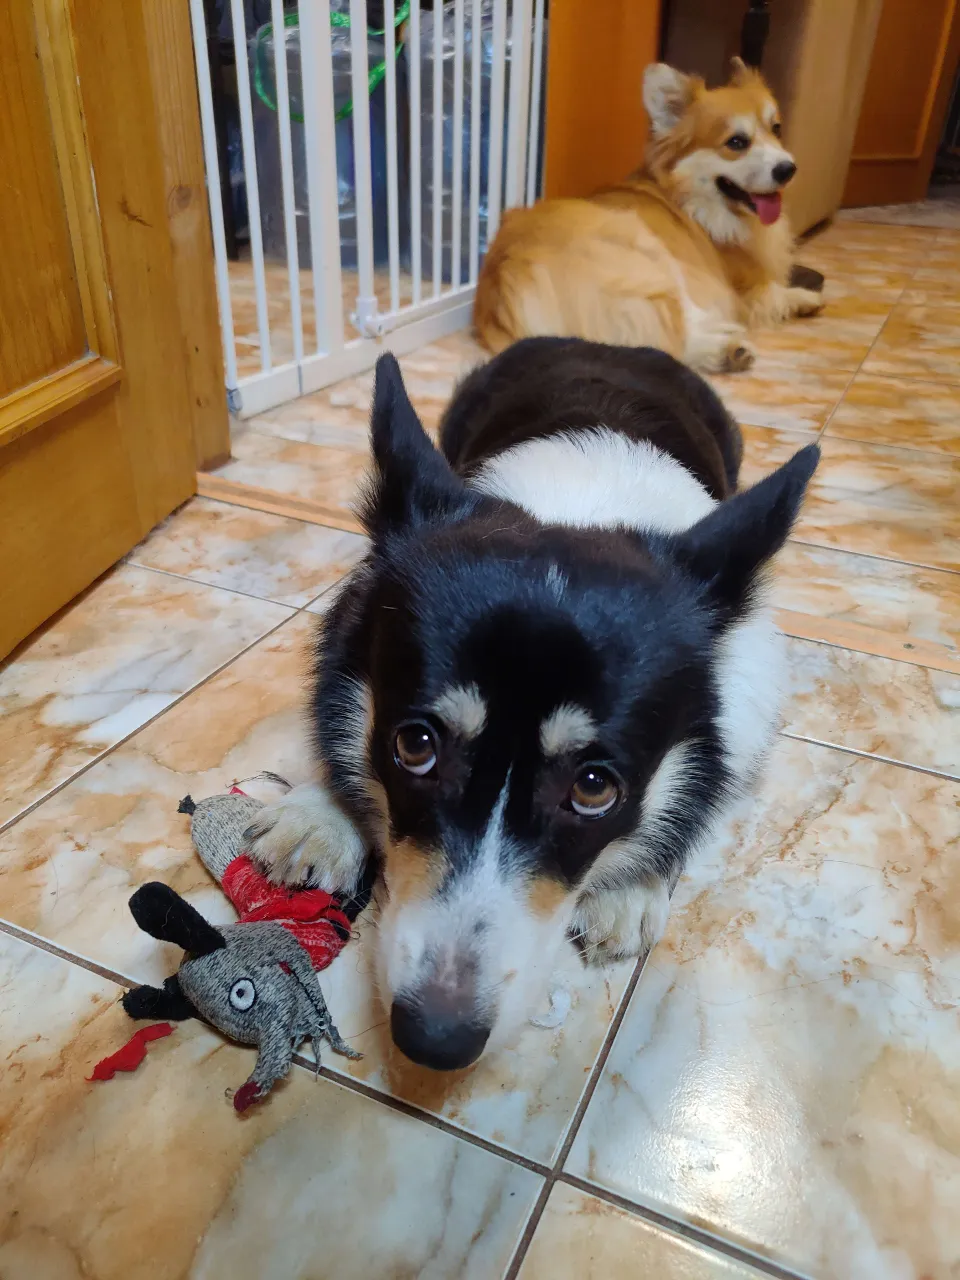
[174,85]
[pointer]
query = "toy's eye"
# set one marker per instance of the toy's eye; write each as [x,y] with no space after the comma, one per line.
[738,142]
[594,793]
[415,748]
[243,994]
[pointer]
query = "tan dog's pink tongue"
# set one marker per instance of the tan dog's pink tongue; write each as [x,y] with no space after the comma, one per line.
[768,207]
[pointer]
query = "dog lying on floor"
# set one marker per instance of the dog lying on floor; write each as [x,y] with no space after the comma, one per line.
[685,255]
[551,674]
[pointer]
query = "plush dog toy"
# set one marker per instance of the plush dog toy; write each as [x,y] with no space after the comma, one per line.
[254,980]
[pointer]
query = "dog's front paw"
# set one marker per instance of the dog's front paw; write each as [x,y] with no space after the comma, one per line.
[805,302]
[304,839]
[617,923]
[738,357]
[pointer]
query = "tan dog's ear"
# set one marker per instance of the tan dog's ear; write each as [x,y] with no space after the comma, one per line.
[739,71]
[666,95]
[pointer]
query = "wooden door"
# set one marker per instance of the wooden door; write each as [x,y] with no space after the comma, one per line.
[97,415]
[908,91]
[596,127]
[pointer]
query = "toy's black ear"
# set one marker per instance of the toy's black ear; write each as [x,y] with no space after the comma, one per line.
[728,547]
[412,483]
[167,1001]
[161,912]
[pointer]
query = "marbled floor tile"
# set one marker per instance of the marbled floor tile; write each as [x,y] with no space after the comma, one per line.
[897,503]
[153,1176]
[766,448]
[68,868]
[900,412]
[117,655]
[942,210]
[861,249]
[580,1237]
[787,1072]
[251,551]
[920,342]
[67,871]
[887,708]
[782,394]
[836,340]
[897,599]
[323,474]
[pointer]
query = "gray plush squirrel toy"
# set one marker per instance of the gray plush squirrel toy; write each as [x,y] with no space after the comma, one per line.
[255,980]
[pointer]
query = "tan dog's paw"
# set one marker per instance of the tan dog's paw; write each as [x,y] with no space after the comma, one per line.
[738,358]
[615,924]
[304,839]
[805,302]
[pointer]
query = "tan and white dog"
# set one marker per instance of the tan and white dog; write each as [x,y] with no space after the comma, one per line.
[685,255]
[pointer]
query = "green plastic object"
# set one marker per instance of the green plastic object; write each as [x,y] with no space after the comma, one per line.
[336,20]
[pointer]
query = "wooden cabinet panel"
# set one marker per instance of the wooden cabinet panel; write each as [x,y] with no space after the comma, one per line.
[908,87]
[41,320]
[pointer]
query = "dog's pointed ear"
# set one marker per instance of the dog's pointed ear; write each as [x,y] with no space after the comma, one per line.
[728,548]
[666,95]
[167,1002]
[161,912]
[739,71]
[412,482]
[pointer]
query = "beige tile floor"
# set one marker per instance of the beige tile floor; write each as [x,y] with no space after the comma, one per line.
[777,1093]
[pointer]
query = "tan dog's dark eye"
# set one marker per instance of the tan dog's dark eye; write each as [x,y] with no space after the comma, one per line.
[594,793]
[415,748]
[738,142]
[776,129]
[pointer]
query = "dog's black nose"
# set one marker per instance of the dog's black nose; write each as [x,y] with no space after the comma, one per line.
[433,1040]
[783,172]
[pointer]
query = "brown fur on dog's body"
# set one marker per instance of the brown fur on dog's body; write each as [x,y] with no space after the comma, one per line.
[662,259]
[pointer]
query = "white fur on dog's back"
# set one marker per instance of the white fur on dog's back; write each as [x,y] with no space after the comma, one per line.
[596,479]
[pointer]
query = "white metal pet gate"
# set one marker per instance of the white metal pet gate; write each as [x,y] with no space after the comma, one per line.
[366,227]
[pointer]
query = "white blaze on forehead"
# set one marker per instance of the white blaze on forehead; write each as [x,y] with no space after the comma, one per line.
[462,710]
[566,729]
[741,124]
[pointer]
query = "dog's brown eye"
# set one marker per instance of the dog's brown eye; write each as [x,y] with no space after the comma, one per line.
[776,129]
[594,793]
[415,748]
[738,142]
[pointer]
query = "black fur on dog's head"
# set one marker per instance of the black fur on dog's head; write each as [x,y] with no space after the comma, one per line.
[520,714]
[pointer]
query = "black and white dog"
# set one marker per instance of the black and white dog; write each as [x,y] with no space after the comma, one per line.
[550,675]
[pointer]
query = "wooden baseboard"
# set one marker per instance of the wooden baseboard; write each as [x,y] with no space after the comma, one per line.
[278,504]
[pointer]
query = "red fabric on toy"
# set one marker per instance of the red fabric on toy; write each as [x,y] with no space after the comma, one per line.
[133,1052]
[246,1096]
[312,916]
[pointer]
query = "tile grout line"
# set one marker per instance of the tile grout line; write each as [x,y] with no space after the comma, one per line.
[29,938]
[410,1109]
[108,751]
[865,357]
[215,586]
[871,755]
[871,555]
[234,591]
[683,1230]
[573,1128]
